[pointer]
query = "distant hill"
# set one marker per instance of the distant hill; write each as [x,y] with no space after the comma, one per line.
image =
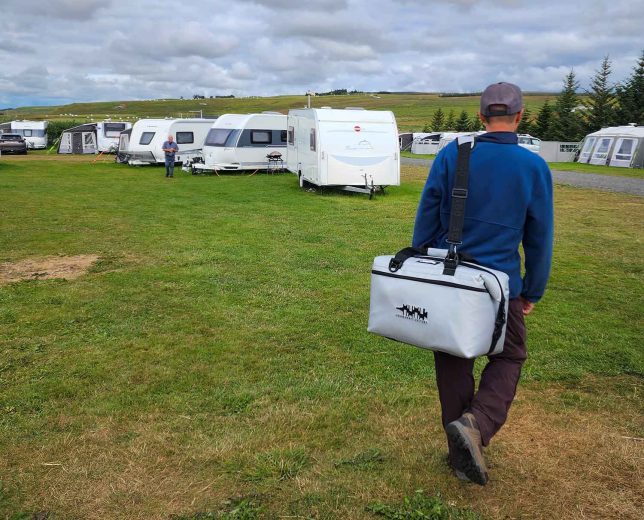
[412,110]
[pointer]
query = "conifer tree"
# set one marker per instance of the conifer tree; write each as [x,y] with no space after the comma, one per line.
[600,103]
[544,122]
[567,124]
[438,120]
[526,125]
[450,123]
[463,122]
[475,123]
[630,97]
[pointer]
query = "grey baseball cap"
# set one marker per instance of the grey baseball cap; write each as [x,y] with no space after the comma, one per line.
[501,94]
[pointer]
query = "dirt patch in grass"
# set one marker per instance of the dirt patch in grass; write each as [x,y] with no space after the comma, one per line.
[67,267]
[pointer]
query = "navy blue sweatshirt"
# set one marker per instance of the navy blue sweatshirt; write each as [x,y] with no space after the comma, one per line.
[509,202]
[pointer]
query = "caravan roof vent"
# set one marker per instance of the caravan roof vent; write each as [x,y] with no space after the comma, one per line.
[328,108]
[353,108]
[271,112]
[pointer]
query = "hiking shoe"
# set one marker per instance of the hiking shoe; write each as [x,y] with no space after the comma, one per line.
[466,449]
[452,462]
[457,472]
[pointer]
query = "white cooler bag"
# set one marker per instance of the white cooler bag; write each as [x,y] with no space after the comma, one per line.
[463,314]
[432,298]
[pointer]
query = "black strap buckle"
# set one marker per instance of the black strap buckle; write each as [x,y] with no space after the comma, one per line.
[395,264]
[451,260]
[459,193]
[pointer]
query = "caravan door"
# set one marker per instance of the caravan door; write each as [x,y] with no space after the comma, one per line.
[623,152]
[77,142]
[586,151]
[65,145]
[291,149]
[600,155]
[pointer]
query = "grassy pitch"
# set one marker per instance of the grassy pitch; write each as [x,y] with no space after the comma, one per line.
[212,359]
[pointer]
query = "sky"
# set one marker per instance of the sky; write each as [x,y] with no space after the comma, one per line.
[63,51]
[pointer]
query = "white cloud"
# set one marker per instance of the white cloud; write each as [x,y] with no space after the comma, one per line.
[81,50]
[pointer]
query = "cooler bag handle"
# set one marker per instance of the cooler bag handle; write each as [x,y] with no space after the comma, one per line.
[405,254]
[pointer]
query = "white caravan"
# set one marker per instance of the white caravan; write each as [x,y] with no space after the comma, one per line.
[92,137]
[108,133]
[621,146]
[426,143]
[148,135]
[243,142]
[448,137]
[34,132]
[352,149]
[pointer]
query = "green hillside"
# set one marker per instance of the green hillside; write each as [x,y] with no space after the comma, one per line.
[412,111]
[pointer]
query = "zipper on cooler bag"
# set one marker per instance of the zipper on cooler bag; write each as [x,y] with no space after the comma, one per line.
[433,282]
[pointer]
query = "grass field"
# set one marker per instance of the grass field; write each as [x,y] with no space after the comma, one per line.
[613,171]
[214,361]
[418,155]
[412,111]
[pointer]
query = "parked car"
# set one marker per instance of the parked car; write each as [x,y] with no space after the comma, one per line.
[12,143]
[531,143]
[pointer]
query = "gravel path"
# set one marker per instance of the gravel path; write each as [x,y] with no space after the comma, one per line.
[581,180]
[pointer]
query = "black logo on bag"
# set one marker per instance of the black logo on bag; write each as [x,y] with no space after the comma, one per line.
[411,312]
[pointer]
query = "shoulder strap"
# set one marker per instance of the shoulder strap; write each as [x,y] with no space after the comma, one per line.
[459,198]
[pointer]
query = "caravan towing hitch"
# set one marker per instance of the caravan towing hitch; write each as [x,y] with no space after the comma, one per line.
[372,188]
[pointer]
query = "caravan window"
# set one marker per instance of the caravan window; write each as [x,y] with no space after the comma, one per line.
[27,132]
[291,135]
[221,137]
[625,151]
[185,137]
[282,136]
[146,137]
[113,129]
[312,140]
[602,148]
[89,138]
[260,136]
[588,146]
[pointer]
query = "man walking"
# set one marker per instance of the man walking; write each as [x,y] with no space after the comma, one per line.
[170,148]
[509,202]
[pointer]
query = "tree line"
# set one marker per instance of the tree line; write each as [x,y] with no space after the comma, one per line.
[572,115]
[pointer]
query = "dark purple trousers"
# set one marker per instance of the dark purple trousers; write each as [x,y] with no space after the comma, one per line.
[498,384]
